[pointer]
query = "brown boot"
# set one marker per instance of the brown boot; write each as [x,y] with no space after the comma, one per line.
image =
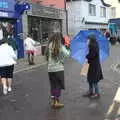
[52,102]
[57,104]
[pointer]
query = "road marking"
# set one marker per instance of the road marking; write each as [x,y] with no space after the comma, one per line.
[114,68]
[114,109]
[118,114]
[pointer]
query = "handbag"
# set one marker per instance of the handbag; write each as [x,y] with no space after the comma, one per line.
[37,50]
[84,70]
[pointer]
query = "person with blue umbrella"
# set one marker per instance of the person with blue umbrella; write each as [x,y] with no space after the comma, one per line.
[94,72]
[93,47]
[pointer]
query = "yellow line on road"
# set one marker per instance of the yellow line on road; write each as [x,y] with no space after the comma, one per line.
[114,106]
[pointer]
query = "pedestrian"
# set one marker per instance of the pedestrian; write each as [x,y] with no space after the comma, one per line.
[67,41]
[56,53]
[7,61]
[29,44]
[12,42]
[94,72]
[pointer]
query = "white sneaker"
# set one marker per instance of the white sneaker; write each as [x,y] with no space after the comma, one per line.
[5,90]
[9,89]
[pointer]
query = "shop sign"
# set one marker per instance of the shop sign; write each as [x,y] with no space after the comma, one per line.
[4,5]
[3,14]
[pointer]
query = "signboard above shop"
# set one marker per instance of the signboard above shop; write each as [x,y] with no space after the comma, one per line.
[4,5]
[7,5]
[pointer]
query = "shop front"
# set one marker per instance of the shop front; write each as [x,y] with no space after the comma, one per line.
[11,22]
[43,21]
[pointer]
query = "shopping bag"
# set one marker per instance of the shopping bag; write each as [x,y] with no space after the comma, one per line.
[37,50]
[84,69]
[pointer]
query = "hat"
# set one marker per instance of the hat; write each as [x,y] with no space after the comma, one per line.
[92,36]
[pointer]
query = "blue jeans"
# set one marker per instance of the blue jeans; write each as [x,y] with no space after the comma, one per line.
[94,88]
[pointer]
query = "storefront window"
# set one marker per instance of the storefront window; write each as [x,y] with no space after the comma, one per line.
[42,28]
[6,28]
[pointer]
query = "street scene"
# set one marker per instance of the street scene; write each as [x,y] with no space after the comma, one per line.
[59,59]
[30,96]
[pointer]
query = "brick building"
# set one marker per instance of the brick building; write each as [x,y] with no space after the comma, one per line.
[57,3]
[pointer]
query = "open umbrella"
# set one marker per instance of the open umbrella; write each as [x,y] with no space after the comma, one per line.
[79,47]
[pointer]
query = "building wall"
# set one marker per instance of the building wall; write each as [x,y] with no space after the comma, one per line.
[115,3]
[74,17]
[57,3]
[78,13]
[97,18]
[47,13]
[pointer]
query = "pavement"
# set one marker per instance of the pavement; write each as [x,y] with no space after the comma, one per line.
[30,97]
[22,64]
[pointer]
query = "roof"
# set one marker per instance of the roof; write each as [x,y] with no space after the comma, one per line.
[103,2]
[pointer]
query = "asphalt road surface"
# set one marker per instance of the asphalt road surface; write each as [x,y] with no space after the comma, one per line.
[30,97]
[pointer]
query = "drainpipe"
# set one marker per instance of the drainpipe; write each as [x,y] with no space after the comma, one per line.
[66,17]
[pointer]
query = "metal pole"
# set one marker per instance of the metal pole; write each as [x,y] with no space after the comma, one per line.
[66,16]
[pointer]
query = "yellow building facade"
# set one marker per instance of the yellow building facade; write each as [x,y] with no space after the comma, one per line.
[115,8]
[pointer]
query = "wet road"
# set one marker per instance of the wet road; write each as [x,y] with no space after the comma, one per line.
[30,97]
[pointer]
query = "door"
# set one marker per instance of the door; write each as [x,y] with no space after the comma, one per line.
[7,27]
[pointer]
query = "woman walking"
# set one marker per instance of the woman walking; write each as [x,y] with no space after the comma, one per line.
[7,61]
[29,44]
[56,52]
[94,71]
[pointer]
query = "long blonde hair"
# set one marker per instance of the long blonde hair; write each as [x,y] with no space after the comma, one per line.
[56,40]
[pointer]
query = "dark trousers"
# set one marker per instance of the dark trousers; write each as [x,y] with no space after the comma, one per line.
[56,83]
[31,58]
[94,88]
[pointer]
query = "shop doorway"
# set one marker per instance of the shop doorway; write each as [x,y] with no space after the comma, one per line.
[42,28]
[7,27]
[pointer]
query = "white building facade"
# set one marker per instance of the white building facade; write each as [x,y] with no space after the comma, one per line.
[87,14]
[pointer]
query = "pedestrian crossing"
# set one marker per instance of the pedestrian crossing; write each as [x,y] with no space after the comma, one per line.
[114,109]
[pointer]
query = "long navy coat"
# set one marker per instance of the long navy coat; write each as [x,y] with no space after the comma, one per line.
[94,72]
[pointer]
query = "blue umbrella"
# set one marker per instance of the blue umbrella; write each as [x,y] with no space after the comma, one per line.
[79,47]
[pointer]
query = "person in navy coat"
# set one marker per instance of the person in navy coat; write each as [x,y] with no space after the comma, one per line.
[94,72]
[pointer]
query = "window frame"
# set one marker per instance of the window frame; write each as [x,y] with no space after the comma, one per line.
[103,12]
[112,12]
[92,9]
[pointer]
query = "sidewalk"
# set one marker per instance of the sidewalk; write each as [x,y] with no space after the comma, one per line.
[22,64]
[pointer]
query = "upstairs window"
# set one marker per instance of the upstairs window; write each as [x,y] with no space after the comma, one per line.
[113,12]
[102,11]
[92,10]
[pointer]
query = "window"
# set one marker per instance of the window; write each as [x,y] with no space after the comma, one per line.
[113,12]
[42,28]
[102,12]
[92,10]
